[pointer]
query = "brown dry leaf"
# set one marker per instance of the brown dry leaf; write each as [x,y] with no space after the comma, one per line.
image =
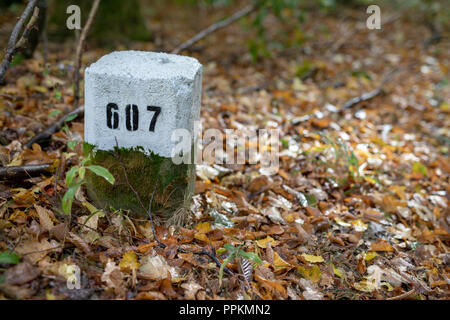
[113,277]
[381,245]
[45,217]
[156,268]
[80,243]
[191,288]
[167,289]
[275,285]
[151,295]
[22,273]
[34,251]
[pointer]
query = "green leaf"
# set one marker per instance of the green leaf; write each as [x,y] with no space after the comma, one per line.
[70,175]
[250,256]
[54,113]
[419,168]
[102,172]
[223,265]
[70,117]
[87,148]
[71,144]
[9,257]
[67,200]
[82,172]
[229,247]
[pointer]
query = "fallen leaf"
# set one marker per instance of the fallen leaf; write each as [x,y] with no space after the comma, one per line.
[129,262]
[381,245]
[312,258]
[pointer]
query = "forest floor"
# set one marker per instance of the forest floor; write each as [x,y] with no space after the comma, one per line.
[358,209]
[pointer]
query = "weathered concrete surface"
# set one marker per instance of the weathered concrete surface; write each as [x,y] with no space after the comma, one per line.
[122,78]
[123,93]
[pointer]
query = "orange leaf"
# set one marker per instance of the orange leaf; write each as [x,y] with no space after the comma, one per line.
[381,245]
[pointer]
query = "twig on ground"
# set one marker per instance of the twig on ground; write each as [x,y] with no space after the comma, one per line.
[55,127]
[372,94]
[13,43]
[216,26]
[79,51]
[405,295]
[16,172]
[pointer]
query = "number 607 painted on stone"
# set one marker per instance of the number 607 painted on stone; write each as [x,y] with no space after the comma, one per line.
[131,116]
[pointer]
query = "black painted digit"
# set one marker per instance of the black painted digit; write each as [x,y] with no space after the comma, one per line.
[155,116]
[132,123]
[112,116]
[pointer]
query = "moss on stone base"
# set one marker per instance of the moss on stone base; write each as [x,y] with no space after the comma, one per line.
[174,183]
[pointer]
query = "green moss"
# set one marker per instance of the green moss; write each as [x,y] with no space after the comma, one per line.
[174,183]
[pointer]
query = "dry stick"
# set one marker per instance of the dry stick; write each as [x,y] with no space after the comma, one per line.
[79,50]
[47,133]
[216,26]
[369,95]
[405,295]
[11,173]
[12,44]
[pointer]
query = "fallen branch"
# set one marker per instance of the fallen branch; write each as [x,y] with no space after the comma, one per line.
[365,97]
[11,173]
[403,296]
[216,26]
[47,133]
[13,44]
[372,94]
[79,51]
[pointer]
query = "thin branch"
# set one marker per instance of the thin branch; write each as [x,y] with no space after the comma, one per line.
[79,50]
[216,26]
[55,127]
[404,296]
[12,44]
[374,93]
[16,172]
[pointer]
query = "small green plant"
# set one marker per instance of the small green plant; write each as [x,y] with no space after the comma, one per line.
[344,154]
[236,252]
[75,178]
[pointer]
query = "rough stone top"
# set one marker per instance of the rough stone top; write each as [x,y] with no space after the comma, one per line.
[146,65]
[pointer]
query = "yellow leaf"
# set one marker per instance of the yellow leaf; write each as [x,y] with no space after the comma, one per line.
[381,245]
[201,236]
[342,222]
[312,259]
[278,262]
[365,285]
[387,284]
[337,271]
[370,180]
[203,227]
[129,262]
[312,273]
[263,242]
[359,226]
[92,209]
[370,256]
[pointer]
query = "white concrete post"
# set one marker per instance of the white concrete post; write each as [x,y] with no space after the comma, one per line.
[140,98]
